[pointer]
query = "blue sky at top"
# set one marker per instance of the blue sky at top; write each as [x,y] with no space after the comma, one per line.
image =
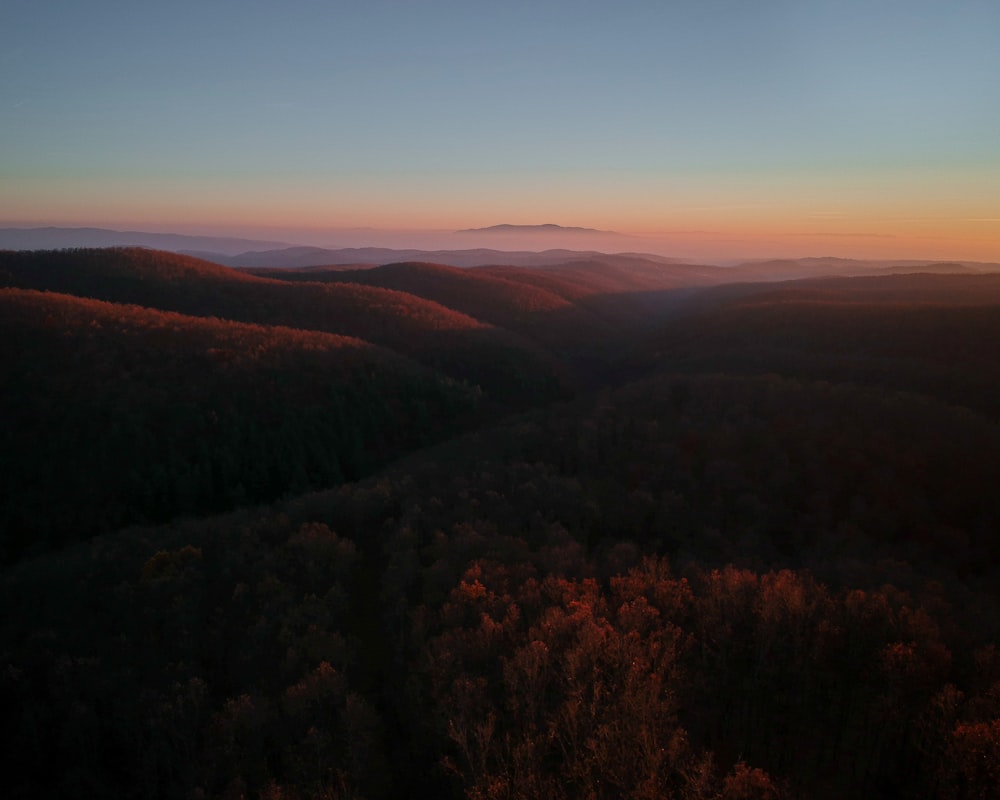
[631,99]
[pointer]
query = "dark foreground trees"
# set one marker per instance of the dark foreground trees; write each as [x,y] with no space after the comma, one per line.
[498,618]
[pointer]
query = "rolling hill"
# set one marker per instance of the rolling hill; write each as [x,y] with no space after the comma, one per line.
[615,275]
[540,314]
[584,311]
[932,334]
[507,367]
[116,414]
[799,268]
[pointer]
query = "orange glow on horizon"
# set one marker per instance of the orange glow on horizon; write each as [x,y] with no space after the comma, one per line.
[716,216]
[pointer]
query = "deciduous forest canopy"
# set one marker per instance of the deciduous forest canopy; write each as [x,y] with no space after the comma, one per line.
[606,527]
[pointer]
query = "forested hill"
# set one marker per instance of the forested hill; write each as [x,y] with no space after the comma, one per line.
[580,309]
[930,334]
[803,268]
[117,414]
[912,288]
[541,314]
[507,367]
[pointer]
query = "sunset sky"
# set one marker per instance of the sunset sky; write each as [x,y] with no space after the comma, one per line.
[701,128]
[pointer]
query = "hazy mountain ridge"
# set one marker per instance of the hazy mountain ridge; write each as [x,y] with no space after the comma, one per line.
[476,257]
[249,252]
[543,228]
[52,238]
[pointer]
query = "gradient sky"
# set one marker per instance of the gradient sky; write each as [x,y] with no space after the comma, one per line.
[704,127]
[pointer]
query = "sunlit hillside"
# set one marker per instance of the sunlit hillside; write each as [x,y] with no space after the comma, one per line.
[540,314]
[442,338]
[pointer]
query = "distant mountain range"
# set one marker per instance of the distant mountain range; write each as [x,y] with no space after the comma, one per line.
[239,252]
[779,269]
[358,256]
[53,238]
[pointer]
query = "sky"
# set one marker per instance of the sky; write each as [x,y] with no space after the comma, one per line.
[696,128]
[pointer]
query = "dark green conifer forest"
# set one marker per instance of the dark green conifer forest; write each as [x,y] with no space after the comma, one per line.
[602,529]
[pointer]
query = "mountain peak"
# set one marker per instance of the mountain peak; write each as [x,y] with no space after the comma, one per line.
[545,228]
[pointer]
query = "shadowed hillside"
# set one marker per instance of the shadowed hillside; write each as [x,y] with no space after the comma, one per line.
[933,334]
[509,369]
[800,268]
[632,293]
[916,288]
[115,414]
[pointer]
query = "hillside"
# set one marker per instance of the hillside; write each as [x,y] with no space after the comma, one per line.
[799,268]
[585,311]
[607,275]
[932,334]
[630,293]
[546,317]
[913,288]
[509,369]
[119,414]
